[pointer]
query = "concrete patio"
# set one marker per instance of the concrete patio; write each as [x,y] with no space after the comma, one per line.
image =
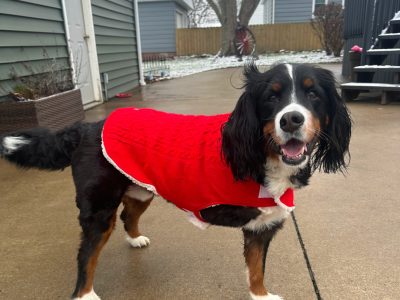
[350,224]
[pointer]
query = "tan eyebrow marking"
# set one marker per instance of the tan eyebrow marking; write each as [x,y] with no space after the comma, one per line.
[308,82]
[276,87]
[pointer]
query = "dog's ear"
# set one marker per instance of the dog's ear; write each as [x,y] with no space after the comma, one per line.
[243,141]
[333,147]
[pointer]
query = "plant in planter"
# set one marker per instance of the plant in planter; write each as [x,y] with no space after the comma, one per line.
[42,99]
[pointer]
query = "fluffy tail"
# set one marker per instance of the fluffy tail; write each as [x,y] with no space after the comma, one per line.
[40,148]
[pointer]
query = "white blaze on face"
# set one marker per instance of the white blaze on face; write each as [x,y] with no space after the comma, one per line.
[289,68]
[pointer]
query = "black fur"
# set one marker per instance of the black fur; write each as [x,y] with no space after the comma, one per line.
[335,139]
[45,149]
[229,215]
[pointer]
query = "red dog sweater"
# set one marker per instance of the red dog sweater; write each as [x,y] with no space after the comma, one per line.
[179,158]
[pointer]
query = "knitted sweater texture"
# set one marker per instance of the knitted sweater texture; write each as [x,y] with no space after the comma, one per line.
[179,158]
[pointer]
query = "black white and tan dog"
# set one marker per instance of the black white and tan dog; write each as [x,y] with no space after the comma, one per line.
[237,170]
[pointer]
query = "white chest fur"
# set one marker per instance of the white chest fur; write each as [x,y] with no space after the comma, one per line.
[268,217]
[278,176]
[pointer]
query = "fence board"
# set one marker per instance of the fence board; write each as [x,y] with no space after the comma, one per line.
[269,38]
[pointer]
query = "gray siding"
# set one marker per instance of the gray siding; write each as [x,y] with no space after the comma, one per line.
[293,11]
[114,26]
[157,26]
[31,34]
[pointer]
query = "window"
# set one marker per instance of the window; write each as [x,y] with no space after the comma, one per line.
[319,3]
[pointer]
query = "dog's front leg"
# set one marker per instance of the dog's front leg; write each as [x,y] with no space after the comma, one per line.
[255,250]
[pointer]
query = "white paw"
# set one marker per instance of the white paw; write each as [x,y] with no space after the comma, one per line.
[265,297]
[89,296]
[138,242]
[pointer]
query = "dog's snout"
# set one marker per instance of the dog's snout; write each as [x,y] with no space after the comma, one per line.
[291,121]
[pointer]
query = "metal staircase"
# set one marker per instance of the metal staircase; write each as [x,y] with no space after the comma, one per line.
[383,57]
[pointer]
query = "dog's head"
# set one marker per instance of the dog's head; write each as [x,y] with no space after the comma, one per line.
[291,113]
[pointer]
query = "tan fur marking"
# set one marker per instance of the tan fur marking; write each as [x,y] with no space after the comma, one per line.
[313,128]
[269,132]
[308,82]
[276,87]
[92,263]
[253,256]
[133,209]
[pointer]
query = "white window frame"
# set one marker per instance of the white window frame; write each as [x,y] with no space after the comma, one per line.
[313,6]
[326,2]
[271,5]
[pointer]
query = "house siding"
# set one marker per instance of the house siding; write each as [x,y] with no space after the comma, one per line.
[157,27]
[293,11]
[114,26]
[31,34]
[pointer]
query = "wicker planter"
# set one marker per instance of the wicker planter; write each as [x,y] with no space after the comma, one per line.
[53,112]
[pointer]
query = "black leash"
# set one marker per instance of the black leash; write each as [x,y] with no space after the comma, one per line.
[310,270]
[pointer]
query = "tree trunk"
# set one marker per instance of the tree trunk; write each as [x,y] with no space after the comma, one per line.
[226,11]
[247,10]
[229,23]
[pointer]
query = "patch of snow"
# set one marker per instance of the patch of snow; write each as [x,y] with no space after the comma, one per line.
[371,85]
[187,65]
[387,34]
[377,67]
[385,50]
[397,16]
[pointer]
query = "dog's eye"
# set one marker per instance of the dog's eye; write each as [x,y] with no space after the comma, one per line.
[312,96]
[273,98]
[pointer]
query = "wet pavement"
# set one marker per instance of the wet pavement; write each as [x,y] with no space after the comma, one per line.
[349,224]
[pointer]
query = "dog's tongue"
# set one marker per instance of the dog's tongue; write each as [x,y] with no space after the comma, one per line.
[293,148]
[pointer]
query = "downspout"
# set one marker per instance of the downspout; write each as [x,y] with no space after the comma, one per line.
[68,38]
[138,44]
[273,11]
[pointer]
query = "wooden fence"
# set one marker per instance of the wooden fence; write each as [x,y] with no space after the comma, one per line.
[269,38]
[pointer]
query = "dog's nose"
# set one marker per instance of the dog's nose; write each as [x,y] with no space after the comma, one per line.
[291,121]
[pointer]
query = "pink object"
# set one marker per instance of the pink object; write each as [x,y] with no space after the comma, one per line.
[179,158]
[123,95]
[356,48]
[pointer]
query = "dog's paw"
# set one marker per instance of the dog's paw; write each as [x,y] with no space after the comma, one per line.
[138,242]
[269,296]
[89,296]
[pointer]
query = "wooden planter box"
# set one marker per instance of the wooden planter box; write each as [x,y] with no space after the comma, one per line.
[53,112]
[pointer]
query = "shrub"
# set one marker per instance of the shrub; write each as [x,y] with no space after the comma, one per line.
[328,24]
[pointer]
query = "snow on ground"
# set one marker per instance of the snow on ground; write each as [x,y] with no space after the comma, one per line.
[187,65]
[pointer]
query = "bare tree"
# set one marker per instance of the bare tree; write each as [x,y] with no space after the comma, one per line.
[201,11]
[328,24]
[227,13]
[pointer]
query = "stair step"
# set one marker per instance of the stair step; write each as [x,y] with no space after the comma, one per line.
[388,36]
[370,86]
[383,51]
[376,68]
[395,21]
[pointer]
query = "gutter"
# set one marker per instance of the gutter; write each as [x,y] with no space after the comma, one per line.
[138,43]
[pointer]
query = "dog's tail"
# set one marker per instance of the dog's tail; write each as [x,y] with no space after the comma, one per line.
[41,148]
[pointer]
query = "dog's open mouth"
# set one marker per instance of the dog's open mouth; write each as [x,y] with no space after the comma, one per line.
[294,152]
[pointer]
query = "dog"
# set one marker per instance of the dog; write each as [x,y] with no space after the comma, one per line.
[237,170]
